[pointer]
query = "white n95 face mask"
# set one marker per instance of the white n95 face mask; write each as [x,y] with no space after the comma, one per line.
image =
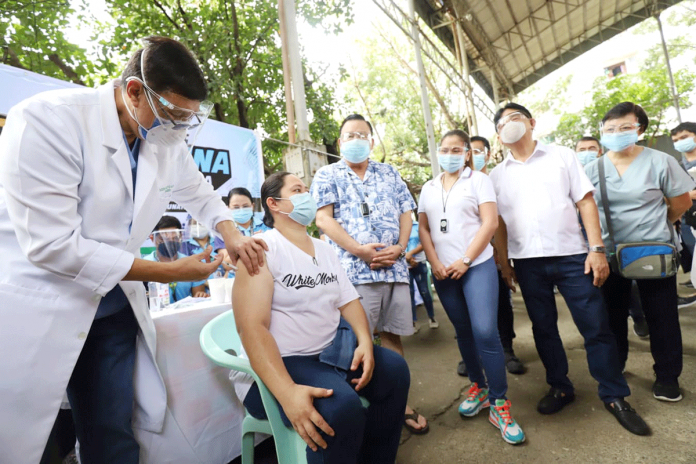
[165,135]
[512,132]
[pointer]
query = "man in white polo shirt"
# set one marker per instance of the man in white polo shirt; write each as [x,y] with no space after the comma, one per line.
[540,188]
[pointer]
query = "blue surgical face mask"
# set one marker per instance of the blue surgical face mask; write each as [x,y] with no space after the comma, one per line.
[587,156]
[620,141]
[451,163]
[685,145]
[479,162]
[242,215]
[355,151]
[304,208]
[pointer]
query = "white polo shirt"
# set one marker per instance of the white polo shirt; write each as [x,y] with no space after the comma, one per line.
[537,198]
[460,206]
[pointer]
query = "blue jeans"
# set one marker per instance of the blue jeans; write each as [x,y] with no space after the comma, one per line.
[536,277]
[418,276]
[471,303]
[101,391]
[361,435]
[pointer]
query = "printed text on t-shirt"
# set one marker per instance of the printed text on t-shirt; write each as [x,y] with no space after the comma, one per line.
[299,281]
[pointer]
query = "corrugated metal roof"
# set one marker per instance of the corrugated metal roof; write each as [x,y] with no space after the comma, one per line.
[522,41]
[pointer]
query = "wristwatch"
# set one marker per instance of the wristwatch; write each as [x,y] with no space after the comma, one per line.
[598,249]
[467,261]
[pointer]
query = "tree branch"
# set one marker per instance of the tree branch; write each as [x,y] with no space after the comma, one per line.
[11,58]
[169,18]
[67,70]
[369,113]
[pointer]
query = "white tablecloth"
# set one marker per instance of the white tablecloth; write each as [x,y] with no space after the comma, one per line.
[203,423]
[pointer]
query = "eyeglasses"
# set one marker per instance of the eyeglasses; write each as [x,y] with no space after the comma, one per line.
[516,116]
[348,136]
[477,151]
[452,150]
[619,129]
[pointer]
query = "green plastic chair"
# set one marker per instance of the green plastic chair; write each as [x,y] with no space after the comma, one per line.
[217,338]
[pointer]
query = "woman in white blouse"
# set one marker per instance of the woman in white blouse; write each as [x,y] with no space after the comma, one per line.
[288,319]
[458,217]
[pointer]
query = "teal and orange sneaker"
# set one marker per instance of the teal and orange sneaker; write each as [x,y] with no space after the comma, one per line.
[501,418]
[476,400]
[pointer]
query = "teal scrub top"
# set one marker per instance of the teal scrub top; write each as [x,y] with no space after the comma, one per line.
[177,290]
[636,200]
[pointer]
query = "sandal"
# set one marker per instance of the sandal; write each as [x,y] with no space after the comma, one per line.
[414,417]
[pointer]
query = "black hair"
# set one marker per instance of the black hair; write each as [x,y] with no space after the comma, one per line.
[169,67]
[684,126]
[167,222]
[271,189]
[355,117]
[510,106]
[486,143]
[464,137]
[240,191]
[625,108]
[589,138]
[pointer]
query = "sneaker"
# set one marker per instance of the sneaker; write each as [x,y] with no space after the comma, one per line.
[513,364]
[664,391]
[640,328]
[687,284]
[433,324]
[477,400]
[416,327]
[501,418]
[684,301]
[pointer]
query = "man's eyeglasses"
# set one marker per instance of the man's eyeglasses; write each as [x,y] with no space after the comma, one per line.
[477,151]
[516,116]
[619,129]
[452,150]
[348,136]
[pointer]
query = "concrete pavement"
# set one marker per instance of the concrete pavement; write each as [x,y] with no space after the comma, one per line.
[583,432]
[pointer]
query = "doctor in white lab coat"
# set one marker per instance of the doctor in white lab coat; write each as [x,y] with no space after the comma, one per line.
[84,176]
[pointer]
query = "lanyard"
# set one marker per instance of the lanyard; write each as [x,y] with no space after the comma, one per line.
[358,188]
[442,193]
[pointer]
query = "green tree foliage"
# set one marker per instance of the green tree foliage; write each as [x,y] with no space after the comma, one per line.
[32,38]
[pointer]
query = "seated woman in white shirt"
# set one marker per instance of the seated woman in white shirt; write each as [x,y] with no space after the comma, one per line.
[458,217]
[288,316]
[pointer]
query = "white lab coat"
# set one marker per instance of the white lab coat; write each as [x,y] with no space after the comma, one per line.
[69,232]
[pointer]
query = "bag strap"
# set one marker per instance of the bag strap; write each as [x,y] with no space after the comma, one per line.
[605,204]
[605,200]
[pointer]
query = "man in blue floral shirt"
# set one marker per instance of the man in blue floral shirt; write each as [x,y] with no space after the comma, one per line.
[365,210]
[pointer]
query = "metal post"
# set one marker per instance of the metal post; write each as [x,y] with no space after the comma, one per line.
[289,110]
[494,84]
[465,74]
[296,71]
[675,95]
[427,116]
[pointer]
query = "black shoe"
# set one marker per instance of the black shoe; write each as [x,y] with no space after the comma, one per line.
[554,401]
[665,391]
[461,369]
[513,364]
[628,417]
[684,301]
[640,328]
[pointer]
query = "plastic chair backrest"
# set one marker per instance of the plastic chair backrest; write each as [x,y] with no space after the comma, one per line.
[219,335]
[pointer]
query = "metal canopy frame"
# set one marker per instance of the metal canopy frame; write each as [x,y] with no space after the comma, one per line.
[511,44]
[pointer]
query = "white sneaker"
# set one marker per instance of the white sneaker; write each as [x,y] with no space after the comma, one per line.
[433,324]
[416,327]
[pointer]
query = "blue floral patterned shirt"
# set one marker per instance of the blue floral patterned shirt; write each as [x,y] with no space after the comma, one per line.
[387,197]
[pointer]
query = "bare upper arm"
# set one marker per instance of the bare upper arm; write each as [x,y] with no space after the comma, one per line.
[252,297]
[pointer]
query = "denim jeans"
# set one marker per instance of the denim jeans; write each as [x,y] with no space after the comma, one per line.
[361,435]
[536,277]
[418,277]
[471,303]
[101,391]
[659,302]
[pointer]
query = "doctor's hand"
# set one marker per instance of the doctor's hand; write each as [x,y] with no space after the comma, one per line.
[195,267]
[250,251]
[298,405]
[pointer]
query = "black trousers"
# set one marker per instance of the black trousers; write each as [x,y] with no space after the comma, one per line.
[659,301]
[505,317]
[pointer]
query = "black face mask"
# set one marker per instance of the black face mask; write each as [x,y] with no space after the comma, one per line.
[169,248]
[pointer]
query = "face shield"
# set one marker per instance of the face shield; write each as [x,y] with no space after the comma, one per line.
[168,242]
[195,230]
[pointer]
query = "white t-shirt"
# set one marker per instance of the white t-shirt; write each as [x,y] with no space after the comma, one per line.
[307,293]
[537,198]
[460,206]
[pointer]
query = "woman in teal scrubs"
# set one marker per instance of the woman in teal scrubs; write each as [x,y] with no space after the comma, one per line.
[647,191]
